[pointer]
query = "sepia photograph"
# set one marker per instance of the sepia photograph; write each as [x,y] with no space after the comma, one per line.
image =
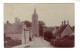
[39,25]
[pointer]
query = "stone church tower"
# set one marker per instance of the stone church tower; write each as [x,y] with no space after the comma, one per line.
[35,24]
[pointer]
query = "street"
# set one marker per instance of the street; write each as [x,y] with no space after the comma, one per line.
[37,42]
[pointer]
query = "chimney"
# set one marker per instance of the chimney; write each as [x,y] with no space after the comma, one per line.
[17,20]
[67,22]
[35,10]
[64,22]
[7,22]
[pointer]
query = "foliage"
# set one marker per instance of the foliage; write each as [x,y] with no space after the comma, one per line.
[48,35]
[40,30]
[66,41]
[28,24]
[41,26]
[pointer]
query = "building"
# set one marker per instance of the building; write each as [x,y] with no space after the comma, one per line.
[17,31]
[35,24]
[56,28]
[65,30]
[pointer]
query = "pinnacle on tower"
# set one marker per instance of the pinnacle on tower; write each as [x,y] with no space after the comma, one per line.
[35,10]
[68,22]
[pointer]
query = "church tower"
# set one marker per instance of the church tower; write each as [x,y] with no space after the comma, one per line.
[35,24]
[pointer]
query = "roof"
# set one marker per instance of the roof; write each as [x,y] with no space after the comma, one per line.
[12,28]
[62,28]
[49,29]
[73,28]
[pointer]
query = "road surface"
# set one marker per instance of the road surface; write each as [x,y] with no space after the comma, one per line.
[37,42]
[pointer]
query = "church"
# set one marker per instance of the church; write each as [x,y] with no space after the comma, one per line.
[35,24]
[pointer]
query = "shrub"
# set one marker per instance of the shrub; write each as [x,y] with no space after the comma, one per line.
[48,35]
[64,43]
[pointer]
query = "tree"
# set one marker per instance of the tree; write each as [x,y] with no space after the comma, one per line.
[28,24]
[41,25]
[48,35]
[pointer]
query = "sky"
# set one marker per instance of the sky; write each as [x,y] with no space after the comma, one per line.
[50,13]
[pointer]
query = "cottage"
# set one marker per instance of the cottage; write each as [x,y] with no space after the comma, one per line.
[17,31]
[65,30]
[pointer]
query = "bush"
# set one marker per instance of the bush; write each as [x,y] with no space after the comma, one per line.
[64,43]
[48,35]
